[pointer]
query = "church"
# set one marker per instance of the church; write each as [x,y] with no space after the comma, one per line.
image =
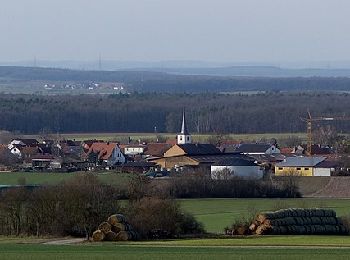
[185,153]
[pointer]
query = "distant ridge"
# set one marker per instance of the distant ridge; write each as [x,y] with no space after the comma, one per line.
[236,79]
[219,71]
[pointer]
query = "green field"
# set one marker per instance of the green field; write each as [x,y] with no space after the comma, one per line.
[216,214]
[46,178]
[284,247]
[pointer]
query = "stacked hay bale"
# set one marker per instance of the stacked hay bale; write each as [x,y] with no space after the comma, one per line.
[295,221]
[116,228]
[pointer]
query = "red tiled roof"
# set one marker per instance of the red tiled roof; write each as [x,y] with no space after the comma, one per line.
[104,150]
[171,141]
[286,150]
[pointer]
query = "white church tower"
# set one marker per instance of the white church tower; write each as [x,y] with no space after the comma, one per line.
[184,137]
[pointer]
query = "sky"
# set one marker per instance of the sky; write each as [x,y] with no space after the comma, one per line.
[155,30]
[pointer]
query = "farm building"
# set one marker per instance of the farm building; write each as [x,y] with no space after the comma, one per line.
[189,155]
[304,166]
[239,166]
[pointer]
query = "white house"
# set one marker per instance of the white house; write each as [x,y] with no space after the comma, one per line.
[236,167]
[108,153]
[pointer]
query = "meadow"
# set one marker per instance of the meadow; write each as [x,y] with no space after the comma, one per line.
[50,178]
[216,214]
[284,247]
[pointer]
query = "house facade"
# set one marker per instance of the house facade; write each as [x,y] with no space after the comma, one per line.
[301,166]
[108,154]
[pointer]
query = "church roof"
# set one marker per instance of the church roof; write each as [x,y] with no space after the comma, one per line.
[199,149]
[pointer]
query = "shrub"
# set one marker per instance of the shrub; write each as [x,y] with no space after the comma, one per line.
[154,217]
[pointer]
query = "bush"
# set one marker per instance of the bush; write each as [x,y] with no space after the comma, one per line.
[73,208]
[153,217]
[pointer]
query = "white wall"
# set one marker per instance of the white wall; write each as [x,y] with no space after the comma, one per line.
[247,172]
[133,150]
[322,172]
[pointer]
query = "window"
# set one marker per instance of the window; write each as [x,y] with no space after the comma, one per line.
[306,169]
[188,138]
[180,138]
[280,168]
[298,169]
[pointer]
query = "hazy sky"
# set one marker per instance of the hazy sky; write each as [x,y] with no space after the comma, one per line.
[150,30]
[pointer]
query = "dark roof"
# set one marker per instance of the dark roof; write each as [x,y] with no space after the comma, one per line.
[213,158]
[253,148]
[300,161]
[157,149]
[199,149]
[236,161]
[328,164]
[29,142]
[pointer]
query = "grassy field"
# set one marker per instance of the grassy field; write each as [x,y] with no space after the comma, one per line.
[284,247]
[153,136]
[216,214]
[12,178]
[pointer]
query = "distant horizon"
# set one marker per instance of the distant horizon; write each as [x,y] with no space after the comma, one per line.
[248,31]
[129,64]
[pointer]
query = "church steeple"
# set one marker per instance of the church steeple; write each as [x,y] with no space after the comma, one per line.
[184,137]
[184,130]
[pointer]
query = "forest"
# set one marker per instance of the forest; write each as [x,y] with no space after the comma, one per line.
[142,112]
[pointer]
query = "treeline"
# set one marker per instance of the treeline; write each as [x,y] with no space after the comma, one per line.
[206,113]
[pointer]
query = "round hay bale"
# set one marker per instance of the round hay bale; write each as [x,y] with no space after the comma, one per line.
[253,227]
[105,227]
[116,218]
[316,221]
[124,236]
[329,213]
[299,221]
[98,236]
[134,235]
[290,221]
[308,229]
[110,236]
[121,227]
[260,230]
[343,230]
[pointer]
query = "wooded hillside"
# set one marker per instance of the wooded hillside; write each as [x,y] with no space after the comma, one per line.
[206,113]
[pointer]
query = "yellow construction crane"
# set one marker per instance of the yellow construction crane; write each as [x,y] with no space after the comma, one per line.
[309,121]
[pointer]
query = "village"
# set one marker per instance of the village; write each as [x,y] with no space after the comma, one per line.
[225,160]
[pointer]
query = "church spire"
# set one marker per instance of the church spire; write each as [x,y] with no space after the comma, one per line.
[184,137]
[184,130]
